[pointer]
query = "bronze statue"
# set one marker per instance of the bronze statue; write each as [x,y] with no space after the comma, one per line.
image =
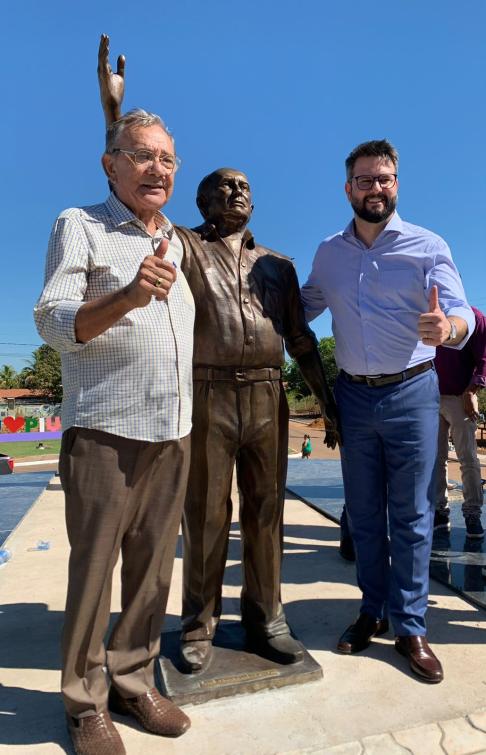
[247,305]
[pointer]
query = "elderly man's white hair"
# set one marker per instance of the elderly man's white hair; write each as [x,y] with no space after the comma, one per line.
[133,119]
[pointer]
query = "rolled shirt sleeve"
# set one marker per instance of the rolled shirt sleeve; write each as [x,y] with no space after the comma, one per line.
[452,298]
[65,283]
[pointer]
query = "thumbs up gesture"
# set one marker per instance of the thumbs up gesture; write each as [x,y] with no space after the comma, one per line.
[161,250]
[154,278]
[433,327]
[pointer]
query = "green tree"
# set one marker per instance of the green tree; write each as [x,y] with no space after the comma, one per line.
[295,381]
[482,401]
[326,350]
[44,372]
[8,377]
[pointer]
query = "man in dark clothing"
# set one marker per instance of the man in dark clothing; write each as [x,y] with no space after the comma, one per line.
[461,375]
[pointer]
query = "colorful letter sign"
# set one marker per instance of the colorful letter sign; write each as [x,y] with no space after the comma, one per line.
[11,428]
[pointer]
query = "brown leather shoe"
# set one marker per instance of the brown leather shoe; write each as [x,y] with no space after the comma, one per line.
[359,635]
[95,735]
[195,655]
[422,660]
[152,711]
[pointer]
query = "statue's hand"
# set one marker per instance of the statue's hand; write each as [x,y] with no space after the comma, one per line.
[332,437]
[112,85]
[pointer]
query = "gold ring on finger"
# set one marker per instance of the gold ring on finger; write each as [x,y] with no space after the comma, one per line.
[158,282]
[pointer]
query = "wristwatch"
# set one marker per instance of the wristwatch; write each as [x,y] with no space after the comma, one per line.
[453,332]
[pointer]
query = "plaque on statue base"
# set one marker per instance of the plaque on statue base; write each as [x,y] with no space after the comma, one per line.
[233,670]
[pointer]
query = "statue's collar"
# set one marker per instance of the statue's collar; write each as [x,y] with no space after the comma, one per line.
[210,233]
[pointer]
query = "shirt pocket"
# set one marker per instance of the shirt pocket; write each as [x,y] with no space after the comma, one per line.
[400,288]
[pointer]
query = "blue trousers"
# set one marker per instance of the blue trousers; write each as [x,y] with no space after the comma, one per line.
[388,461]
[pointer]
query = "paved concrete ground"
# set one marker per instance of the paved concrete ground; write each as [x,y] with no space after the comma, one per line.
[17,494]
[367,703]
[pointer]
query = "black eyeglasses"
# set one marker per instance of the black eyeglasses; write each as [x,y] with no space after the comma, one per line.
[386,181]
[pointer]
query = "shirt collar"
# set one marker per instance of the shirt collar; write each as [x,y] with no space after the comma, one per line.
[209,233]
[395,224]
[122,215]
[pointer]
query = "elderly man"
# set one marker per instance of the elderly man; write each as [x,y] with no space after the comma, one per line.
[121,314]
[394,294]
[247,302]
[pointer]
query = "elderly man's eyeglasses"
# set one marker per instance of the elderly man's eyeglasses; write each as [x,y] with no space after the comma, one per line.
[386,181]
[146,158]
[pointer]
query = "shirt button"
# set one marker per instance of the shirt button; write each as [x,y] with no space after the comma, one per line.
[246,300]
[249,340]
[243,264]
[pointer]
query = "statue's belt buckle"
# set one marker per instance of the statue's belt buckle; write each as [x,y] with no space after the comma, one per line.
[240,375]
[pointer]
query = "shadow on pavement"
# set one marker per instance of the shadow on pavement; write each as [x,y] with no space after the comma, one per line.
[29,716]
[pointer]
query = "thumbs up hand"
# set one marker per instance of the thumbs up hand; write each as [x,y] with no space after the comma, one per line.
[433,327]
[154,278]
[161,250]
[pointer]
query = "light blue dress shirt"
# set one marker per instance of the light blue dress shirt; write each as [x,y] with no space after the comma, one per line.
[376,295]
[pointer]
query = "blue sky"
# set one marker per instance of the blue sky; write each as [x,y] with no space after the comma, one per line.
[281,90]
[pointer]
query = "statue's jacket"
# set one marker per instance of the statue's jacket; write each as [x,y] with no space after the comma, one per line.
[247,304]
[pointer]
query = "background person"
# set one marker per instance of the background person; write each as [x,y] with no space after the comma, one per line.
[461,375]
[394,294]
[306,447]
[122,318]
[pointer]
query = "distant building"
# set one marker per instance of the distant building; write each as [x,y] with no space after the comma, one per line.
[26,402]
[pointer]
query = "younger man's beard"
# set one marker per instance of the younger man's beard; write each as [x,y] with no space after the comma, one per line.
[375,216]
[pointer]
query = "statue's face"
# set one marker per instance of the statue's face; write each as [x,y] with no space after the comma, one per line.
[229,197]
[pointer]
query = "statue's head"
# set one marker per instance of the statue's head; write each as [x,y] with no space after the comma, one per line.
[224,198]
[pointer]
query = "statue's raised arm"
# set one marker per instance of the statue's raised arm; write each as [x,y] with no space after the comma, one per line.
[112,85]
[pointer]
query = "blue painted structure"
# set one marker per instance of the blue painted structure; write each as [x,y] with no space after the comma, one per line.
[457,561]
[17,494]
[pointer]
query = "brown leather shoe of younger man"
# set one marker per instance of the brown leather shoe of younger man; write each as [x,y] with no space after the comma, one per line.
[422,660]
[152,711]
[359,635]
[95,735]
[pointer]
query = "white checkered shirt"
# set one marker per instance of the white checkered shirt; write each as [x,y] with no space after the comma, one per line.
[135,379]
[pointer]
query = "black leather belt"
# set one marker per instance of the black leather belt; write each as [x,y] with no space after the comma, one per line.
[374,381]
[236,374]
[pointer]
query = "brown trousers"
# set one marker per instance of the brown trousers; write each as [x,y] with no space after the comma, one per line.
[123,496]
[246,422]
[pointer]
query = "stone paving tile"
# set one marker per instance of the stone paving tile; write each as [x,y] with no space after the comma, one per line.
[460,738]
[350,748]
[382,744]
[421,739]
[478,719]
